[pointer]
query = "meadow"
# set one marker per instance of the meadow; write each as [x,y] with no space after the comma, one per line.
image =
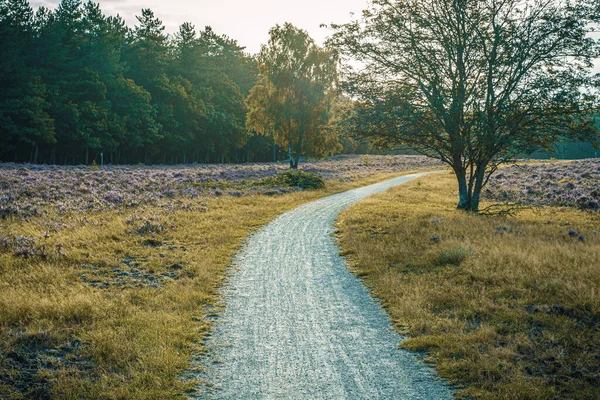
[108,275]
[505,305]
[33,190]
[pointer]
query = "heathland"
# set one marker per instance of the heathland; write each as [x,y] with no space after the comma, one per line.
[504,303]
[106,274]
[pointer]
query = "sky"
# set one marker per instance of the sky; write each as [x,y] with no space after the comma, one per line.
[247,21]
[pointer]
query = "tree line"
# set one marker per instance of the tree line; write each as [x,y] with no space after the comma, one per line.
[77,83]
[473,83]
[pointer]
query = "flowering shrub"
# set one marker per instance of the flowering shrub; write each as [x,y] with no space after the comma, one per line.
[23,246]
[574,184]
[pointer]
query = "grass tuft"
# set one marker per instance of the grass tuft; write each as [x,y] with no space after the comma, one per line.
[455,256]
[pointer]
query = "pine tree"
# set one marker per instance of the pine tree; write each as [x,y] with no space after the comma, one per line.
[24,120]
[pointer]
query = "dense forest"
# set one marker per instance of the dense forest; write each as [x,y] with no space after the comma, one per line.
[79,86]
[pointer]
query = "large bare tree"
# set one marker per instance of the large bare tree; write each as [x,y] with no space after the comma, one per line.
[472,82]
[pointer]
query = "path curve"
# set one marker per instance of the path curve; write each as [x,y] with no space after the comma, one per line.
[299,325]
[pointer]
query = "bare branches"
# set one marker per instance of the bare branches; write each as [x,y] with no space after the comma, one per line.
[471,82]
[502,210]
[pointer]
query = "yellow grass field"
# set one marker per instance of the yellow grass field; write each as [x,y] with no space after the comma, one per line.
[504,307]
[114,305]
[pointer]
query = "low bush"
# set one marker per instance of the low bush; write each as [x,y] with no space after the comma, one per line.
[300,179]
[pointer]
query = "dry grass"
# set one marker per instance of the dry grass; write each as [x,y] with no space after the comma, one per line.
[507,308]
[113,305]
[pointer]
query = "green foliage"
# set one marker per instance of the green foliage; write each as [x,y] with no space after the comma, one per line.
[293,99]
[300,179]
[24,109]
[77,83]
[473,83]
[455,256]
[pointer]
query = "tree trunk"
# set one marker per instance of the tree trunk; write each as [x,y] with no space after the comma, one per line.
[87,155]
[295,157]
[294,161]
[36,153]
[469,198]
[298,152]
[464,200]
[479,182]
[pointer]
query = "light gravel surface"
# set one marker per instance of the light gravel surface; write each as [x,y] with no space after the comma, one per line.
[299,325]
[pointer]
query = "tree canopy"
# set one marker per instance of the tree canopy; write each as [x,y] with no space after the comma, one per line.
[77,83]
[472,82]
[293,99]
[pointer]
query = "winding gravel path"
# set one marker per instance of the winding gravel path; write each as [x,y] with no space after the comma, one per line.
[299,325]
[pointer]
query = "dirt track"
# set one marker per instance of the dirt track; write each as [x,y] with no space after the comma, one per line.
[299,325]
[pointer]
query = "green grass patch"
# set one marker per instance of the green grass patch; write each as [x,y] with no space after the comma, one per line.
[455,256]
[298,179]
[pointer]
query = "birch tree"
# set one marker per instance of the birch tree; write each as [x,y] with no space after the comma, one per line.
[292,101]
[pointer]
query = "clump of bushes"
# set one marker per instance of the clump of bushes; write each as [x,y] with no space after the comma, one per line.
[588,203]
[299,179]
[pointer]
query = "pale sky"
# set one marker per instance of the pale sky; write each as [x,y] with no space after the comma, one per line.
[248,21]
